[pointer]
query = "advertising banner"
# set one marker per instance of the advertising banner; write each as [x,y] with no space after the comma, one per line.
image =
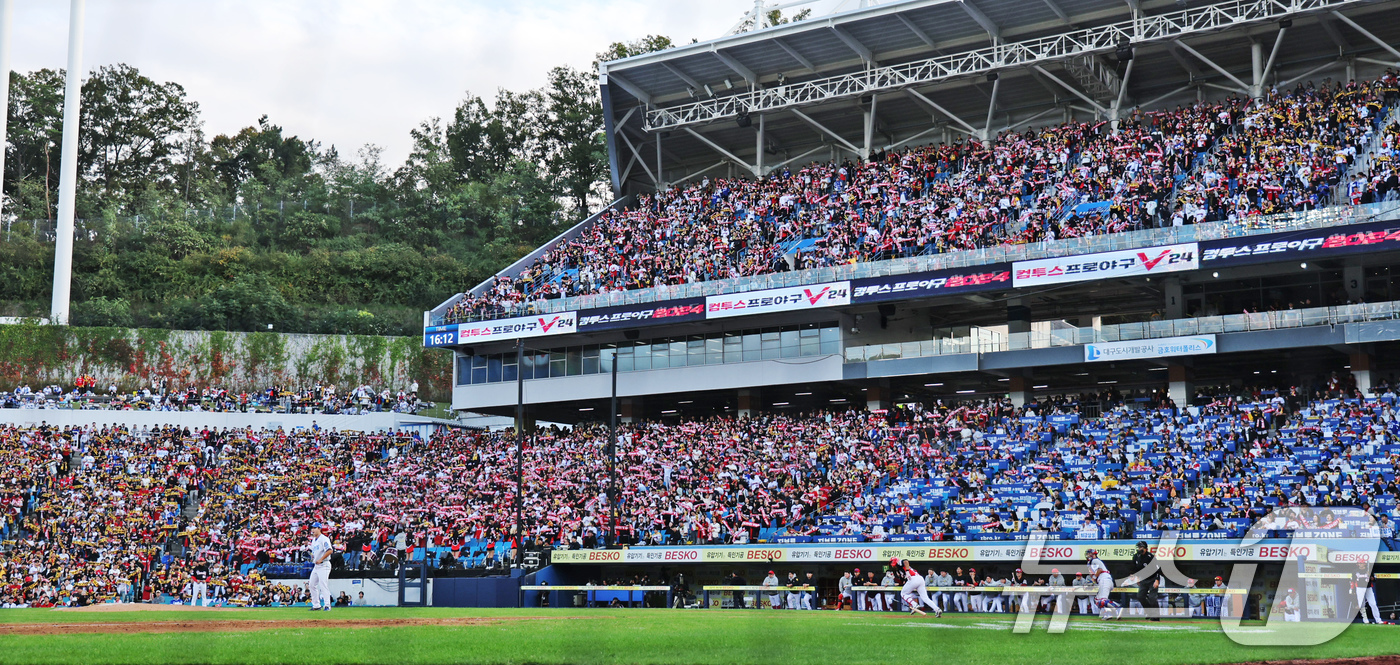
[1106,265]
[631,316]
[936,283]
[787,299]
[1050,551]
[541,325]
[1301,245]
[1138,349]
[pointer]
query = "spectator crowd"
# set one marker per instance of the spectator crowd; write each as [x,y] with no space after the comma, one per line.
[93,514]
[1225,160]
[321,398]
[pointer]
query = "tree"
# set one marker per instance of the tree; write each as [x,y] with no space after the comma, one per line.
[771,18]
[481,141]
[620,50]
[135,134]
[261,154]
[573,140]
[35,131]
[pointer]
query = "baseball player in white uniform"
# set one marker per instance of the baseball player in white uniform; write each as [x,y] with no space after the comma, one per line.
[1292,607]
[775,599]
[914,593]
[1365,592]
[1108,609]
[320,570]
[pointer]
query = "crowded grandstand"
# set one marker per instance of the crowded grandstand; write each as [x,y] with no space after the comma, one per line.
[103,513]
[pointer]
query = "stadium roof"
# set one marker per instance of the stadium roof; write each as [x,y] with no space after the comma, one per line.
[923,71]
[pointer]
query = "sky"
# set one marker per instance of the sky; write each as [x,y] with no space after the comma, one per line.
[350,72]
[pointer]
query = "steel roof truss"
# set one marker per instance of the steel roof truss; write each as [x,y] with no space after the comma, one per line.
[1232,14]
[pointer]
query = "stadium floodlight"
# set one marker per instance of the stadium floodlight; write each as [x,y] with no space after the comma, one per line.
[68,168]
[7,14]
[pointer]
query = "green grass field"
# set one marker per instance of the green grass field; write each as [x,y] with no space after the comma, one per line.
[710,637]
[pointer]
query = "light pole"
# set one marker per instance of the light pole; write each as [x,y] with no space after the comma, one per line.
[68,168]
[519,449]
[7,15]
[612,457]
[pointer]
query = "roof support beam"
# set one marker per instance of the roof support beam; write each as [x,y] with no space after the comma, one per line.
[991,110]
[1244,87]
[640,160]
[1027,121]
[1310,72]
[981,19]
[1074,91]
[738,68]
[854,44]
[918,32]
[1334,34]
[694,85]
[1161,28]
[631,88]
[911,139]
[1055,7]
[934,105]
[1158,98]
[790,160]
[1187,65]
[822,128]
[801,59]
[1135,6]
[715,146]
[1123,89]
[1366,33]
[1273,57]
[707,169]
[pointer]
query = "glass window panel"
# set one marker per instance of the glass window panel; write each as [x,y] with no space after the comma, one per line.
[478,375]
[772,348]
[678,353]
[573,362]
[493,370]
[751,341]
[811,346]
[605,360]
[660,355]
[641,357]
[556,368]
[508,372]
[478,361]
[789,339]
[590,360]
[830,334]
[464,370]
[830,347]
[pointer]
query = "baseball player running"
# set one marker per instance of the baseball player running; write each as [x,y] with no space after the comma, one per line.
[1108,609]
[914,593]
[320,570]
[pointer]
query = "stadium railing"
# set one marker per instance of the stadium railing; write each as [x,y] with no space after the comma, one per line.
[1325,217]
[988,341]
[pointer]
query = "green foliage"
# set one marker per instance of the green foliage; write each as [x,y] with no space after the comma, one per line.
[102,311]
[259,227]
[42,354]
